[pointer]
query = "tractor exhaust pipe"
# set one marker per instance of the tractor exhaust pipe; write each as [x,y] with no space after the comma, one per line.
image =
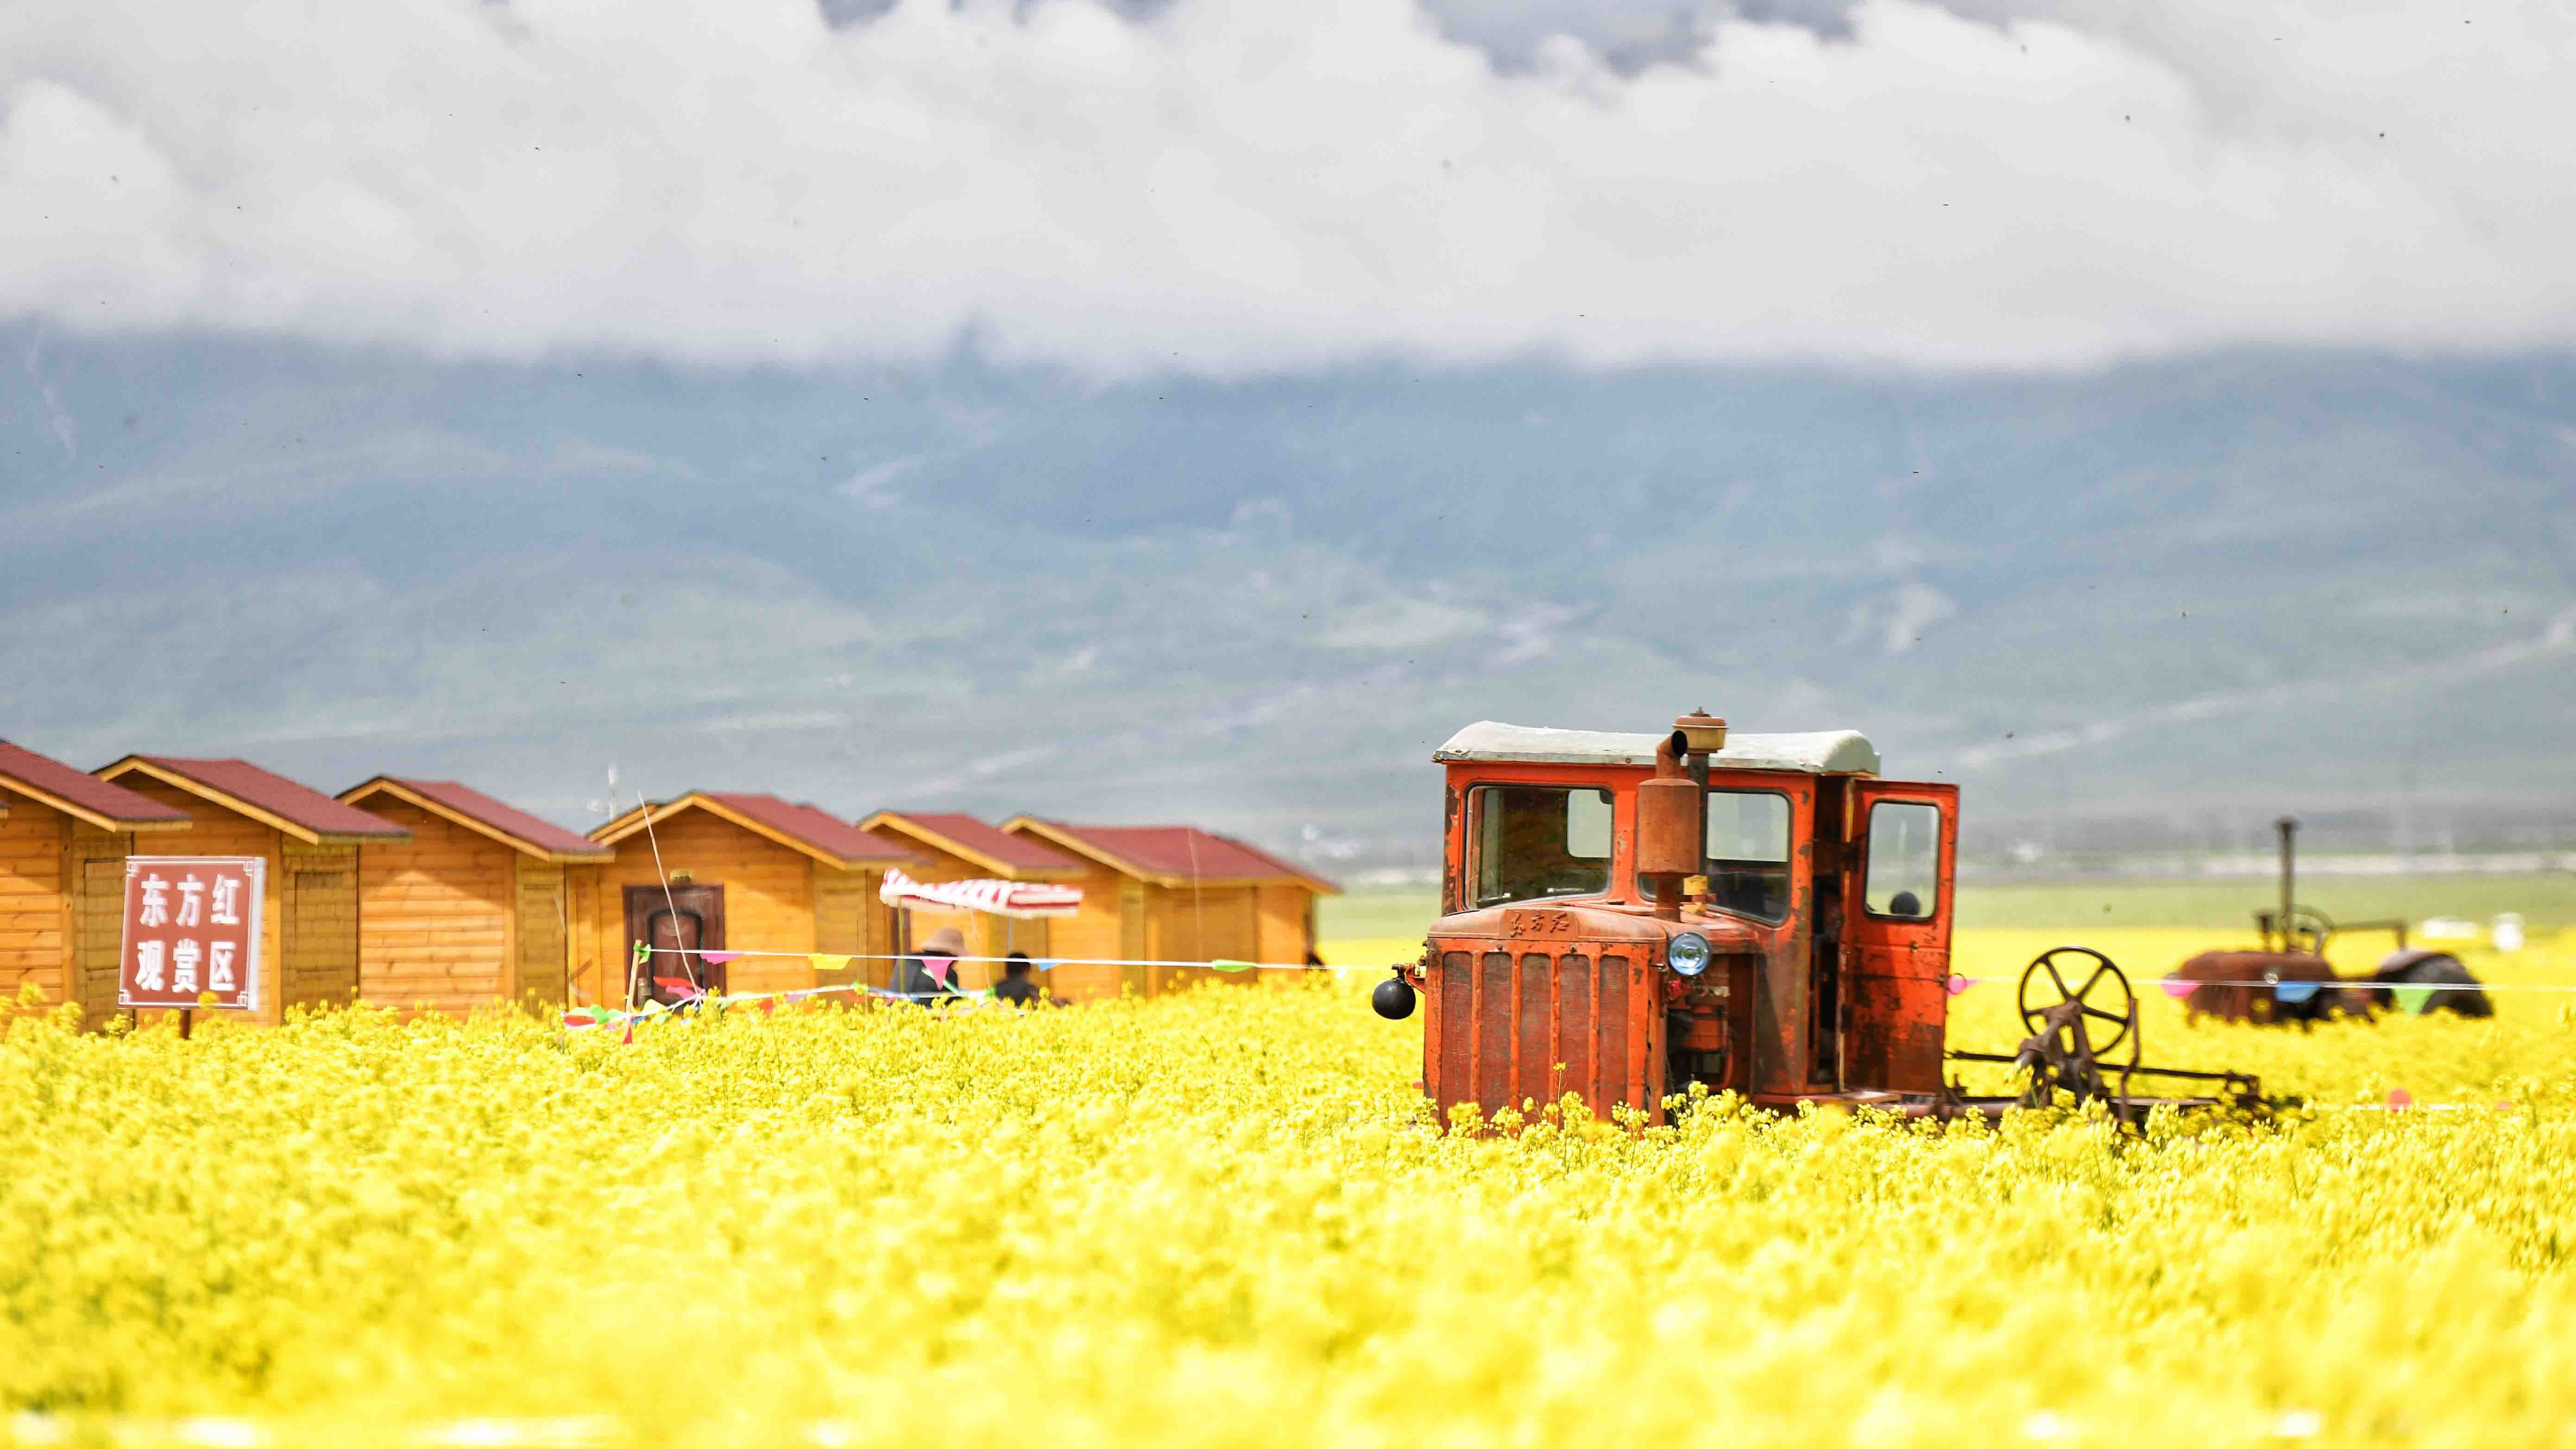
[2289,829]
[1668,810]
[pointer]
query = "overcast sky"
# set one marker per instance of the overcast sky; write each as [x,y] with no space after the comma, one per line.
[1197,407]
[1243,185]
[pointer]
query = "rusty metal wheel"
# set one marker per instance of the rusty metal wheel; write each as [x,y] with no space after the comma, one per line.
[2105,995]
[2312,923]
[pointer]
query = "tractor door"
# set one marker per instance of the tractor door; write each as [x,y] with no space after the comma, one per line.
[1896,933]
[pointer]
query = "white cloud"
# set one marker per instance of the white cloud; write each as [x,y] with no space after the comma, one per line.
[1395,622]
[1913,609]
[1240,185]
[58,419]
[872,487]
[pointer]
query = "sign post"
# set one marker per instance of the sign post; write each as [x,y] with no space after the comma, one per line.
[191,934]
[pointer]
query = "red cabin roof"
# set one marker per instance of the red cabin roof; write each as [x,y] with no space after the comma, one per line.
[479,812]
[1011,857]
[246,789]
[83,797]
[816,826]
[1172,854]
[808,828]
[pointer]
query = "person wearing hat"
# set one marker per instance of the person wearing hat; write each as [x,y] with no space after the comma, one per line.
[933,972]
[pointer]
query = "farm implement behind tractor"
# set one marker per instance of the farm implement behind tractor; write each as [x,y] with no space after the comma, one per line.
[1627,914]
[2062,1053]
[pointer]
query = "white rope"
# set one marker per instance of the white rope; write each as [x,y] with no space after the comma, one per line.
[1198,902]
[2406,1107]
[696,978]
[1216,964]
[2342,983]
[1054,961]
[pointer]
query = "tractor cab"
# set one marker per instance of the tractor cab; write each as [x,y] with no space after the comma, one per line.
[1625,914]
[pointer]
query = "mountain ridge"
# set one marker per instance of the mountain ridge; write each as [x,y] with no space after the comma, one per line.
[2221,586]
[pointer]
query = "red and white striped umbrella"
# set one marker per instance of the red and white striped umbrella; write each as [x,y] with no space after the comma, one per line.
[1023,899]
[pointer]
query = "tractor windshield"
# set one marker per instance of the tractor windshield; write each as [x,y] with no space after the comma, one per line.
[1539,840]
[1748,852]
[1746,855]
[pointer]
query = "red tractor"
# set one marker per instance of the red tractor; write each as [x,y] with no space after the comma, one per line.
[1626,914]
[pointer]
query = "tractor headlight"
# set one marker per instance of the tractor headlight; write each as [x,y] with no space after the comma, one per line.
[1688,953]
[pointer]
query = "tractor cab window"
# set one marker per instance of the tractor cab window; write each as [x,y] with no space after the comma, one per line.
[1747,845]
[1904,860]
[1539,840]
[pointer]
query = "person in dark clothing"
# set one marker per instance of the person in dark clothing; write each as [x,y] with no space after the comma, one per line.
[1015,986]
[932,973]
[914,981]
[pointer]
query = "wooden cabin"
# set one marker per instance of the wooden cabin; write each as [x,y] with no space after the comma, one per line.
[64,837]
[309,919]
[736,872]
[1175,893]
[471,910]
[956,847]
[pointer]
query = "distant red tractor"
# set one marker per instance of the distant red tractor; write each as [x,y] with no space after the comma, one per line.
[1626,914]
[2288,979]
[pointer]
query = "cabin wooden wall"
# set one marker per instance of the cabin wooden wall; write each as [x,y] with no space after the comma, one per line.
[320,944]
[540,920]
[1000,936]
[1185,923]
[1287,929]
[436,914]
[1135,942]
[768,894]
[218,831]
[849,920]
[1095,932]
[1124,919]
[35,906]
[94,865]
[884,932]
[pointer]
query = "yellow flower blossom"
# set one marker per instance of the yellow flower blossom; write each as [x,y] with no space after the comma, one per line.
[1227,1218]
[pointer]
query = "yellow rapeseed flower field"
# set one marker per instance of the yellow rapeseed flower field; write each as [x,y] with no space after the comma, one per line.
[1222,1219]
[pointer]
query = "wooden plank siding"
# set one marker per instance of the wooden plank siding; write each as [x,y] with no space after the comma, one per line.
[1001,935]
[1202,923]
[60,831]
[98,922]
[849,920]
[34,922]
[776,898]
[1135,942]
[541,916]
[1097,931]
[320,946]
[437,914]
[1286,930]
[1147,898]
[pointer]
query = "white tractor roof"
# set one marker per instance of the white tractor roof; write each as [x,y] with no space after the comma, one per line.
[1820,752]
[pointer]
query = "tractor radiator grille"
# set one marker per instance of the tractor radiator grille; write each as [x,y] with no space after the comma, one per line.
[1511,1028]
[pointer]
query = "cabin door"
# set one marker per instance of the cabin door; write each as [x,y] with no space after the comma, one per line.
[686,919]
[1896,934]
